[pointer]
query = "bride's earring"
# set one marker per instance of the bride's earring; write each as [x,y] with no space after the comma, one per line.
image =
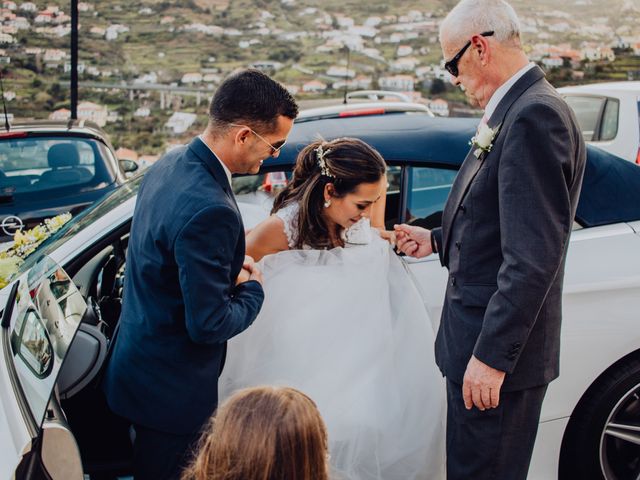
[327,204]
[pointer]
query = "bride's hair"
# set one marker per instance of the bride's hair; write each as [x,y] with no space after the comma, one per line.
[343,162]
[263,433]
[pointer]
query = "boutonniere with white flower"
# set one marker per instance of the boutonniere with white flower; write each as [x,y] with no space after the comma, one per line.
[483,140]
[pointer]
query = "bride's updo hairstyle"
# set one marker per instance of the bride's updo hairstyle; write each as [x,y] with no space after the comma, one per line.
[343,162]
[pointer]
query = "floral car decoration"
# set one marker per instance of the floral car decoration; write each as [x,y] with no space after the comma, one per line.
[25,243]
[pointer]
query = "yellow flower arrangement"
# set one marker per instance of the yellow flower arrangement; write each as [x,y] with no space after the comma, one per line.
[25,243]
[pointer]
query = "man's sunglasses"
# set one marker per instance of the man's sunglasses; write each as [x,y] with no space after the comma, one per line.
[452,65]
[274,148]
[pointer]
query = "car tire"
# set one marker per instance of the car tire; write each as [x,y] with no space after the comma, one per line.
[602,440]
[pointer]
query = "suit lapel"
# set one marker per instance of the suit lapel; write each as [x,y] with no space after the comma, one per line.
[471,164]
[465,176]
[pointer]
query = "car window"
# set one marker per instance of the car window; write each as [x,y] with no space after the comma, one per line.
[392,206]
[609,127]
[48,312]
[428,189]
[587,110]
[39,164]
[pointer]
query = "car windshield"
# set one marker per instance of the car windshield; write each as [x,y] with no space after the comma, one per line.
[43,165]
[83,220]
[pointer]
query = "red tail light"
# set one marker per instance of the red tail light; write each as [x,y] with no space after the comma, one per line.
[364,111]
[274,181]
[638,157]
[5,135]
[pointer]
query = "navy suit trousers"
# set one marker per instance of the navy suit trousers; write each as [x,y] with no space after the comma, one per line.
[161,456]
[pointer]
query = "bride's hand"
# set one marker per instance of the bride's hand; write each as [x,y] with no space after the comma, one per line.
[388,235]
[413,241]
[249,262]
[243,276]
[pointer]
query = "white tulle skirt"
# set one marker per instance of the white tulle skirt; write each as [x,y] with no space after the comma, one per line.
[348,327]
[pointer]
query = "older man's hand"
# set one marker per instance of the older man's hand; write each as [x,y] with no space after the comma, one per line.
[481,385]
[413,241]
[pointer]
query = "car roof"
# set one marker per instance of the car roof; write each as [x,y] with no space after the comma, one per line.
[413,137]
[620,87]
[360,109]
[58,126]
[611,187]
[610,190]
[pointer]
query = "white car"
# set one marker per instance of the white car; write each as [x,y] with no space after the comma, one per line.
[609,116]
[53,417]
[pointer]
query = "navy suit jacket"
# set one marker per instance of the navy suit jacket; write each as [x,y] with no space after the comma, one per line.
[504,238]
[180,302]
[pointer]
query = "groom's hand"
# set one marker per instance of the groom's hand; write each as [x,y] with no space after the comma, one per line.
[249,271]
[256,275]
[413,241]
[481,385]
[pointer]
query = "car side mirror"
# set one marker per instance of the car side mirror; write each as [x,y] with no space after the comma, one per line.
[128,166]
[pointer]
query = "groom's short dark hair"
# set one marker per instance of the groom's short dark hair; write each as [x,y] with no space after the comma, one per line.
[252,98]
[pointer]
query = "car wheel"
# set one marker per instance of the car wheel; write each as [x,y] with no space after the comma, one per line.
[602,440]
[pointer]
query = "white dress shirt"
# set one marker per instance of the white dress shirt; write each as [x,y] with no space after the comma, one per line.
[503,89]
[226,170]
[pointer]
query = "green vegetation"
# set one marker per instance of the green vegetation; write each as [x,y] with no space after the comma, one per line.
[158,42]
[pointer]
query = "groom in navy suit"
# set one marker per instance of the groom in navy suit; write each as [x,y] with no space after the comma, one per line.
[188,285]
[504,239]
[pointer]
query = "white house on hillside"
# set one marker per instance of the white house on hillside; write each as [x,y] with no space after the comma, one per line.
[180,122]
[28,7]
[60,114]
[93,112]
[399,83]
[192,77]
[314,86]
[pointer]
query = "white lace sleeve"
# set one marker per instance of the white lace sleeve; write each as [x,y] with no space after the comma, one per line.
[289,215]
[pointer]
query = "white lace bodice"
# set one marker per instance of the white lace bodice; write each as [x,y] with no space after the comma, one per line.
[359,233]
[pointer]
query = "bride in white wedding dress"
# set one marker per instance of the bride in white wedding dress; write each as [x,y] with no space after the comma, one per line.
[343,321]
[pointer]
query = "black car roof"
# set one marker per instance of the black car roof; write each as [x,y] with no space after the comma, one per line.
[402,137]
[611,187]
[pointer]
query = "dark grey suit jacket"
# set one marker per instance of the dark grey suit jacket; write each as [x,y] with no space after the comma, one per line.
[504,238]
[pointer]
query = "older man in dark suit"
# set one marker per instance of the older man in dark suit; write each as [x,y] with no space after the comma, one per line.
[188,286]
[504,238]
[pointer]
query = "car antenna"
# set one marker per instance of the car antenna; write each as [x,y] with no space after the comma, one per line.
[4,104]
[346,76]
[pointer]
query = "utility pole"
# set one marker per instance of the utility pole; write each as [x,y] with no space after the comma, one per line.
[74,59]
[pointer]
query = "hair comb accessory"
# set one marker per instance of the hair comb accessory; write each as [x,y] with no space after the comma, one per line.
[324,169]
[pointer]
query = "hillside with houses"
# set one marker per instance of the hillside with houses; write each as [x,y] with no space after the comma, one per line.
[148,68]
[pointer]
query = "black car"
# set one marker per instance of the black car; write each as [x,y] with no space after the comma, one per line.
[49,167]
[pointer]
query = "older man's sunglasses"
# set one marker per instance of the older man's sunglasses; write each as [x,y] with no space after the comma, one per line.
[452,65]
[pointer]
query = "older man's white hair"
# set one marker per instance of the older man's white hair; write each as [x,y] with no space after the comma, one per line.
[472,17]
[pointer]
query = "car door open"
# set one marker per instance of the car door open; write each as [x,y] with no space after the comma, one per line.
[41,316]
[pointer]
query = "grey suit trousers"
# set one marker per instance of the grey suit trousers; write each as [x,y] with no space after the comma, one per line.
[495,444]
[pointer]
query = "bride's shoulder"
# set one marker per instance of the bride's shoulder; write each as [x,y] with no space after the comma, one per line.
[268,237]
[289,216]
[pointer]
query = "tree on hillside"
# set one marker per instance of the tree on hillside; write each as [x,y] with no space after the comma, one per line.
[437,87]
[57,93]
